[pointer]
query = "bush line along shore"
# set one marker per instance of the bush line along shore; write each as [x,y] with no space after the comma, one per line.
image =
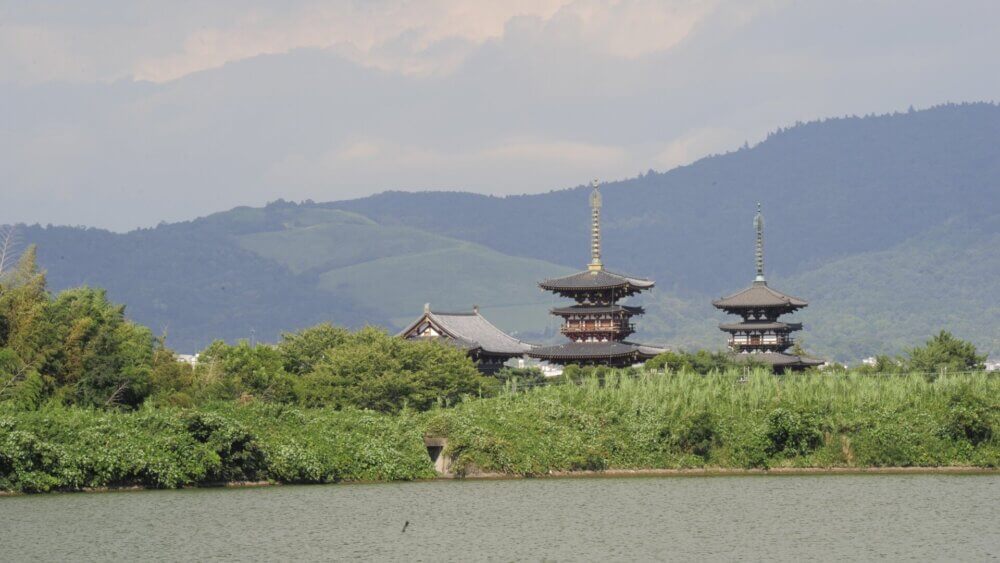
[684,421]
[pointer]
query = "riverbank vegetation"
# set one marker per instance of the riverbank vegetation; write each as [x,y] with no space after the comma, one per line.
[623,421]
[729,420]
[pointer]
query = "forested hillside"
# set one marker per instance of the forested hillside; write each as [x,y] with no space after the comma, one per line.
[255,272]
[887,224]
[829,189]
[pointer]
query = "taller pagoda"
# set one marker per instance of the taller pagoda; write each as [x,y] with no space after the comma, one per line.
[760,336]
[596,325]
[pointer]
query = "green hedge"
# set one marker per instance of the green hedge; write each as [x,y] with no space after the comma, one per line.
[76,448]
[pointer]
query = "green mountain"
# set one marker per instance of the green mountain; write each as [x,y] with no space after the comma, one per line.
[394,269]
[257,272]
[887,300]
[886,224]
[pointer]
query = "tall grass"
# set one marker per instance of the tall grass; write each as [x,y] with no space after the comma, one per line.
[730,420]
[623,420]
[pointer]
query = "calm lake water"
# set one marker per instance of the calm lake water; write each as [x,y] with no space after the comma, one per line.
[857,517]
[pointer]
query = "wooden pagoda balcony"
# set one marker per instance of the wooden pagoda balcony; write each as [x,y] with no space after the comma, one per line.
[751,341]
[603,327]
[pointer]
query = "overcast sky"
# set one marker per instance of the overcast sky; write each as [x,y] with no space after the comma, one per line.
[121,114]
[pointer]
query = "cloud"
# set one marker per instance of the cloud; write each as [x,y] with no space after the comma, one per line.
[252,102]
[397,35]
[356,31]
[696,144]
[356,168]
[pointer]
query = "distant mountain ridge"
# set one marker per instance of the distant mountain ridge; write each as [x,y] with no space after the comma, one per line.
[887,224]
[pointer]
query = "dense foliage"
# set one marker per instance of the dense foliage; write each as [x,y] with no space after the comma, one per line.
[77,346]
[623,421]
[729,420]
[74,448]
[941,354]
[78,349]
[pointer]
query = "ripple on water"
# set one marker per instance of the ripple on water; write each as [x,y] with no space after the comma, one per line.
[812,517]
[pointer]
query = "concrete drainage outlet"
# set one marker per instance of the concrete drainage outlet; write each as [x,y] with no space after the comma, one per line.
[435,449]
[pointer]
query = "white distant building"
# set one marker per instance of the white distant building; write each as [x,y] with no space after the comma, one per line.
[547,369]
[190,359]
[870,361]
[992,365]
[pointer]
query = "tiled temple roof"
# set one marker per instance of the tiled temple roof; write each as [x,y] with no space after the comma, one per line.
[470,330]
[759,296]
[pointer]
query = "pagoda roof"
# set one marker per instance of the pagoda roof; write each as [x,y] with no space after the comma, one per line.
[591,280]
[760,325]
[778,359]
[759,296]
[596,309]
[469,331]
[595,351]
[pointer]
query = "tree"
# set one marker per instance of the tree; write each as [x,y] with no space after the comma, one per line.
[255,370]
[169,378]
[100,358]
[702,362]
[526,377]
[20,384]
[24,298]
[8,247]
[301,351]
[945,352]
[376,371]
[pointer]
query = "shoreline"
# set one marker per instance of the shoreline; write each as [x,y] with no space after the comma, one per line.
[578,474]
[737,472]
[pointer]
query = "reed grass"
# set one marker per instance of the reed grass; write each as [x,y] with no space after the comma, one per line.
[729,420]
[623,420]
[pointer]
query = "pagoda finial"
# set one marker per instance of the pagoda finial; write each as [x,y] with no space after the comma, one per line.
[758,225]
[595,228]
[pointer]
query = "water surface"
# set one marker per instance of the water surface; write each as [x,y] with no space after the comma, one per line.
[855,517]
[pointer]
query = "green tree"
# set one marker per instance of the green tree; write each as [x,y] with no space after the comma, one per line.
[255,370]
[24,326]
[20,384]
[945,352]
[669,361]
[171,380]
[101,359]
[374,370]
[528,377]
[301,351]
[702,362]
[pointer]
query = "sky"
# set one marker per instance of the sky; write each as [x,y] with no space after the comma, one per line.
[124,113]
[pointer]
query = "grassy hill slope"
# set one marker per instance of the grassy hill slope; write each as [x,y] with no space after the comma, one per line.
[394,270]
[259,271]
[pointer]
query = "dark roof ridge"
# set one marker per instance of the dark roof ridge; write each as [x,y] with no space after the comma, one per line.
[455,313]
[757,296]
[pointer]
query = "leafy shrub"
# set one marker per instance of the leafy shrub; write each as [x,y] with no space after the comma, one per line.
[970,417]
[525,377]
[792,433]
[239,455]
[695,433]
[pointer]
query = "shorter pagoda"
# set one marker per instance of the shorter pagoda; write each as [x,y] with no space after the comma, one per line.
[760,336]
[596,325]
